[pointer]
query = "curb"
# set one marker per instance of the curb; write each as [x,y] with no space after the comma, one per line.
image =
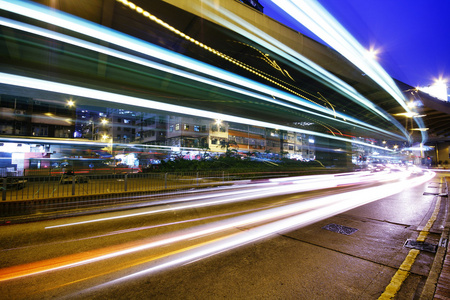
[431,283]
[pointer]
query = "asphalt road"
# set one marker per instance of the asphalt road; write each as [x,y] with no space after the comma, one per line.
[313,237]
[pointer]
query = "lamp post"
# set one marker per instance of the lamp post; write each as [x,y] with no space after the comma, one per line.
[109,140]
[103,121]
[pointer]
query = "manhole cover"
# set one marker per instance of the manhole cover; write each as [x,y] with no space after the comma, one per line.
[421,246]
[340,229]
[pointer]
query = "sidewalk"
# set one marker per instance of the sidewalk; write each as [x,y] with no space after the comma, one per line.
[438,283]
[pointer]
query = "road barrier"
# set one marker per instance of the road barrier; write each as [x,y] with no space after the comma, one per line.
[36,194]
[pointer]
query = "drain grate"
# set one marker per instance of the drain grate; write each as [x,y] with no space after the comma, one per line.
[436,194]
[340,229]
[421,246]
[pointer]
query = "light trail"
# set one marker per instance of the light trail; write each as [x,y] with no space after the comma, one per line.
[144,62]
[334,205]
[84,27]
[130,230]
[140,102]
[78,25]
[279,218]
[317,19]
[255,34]
[297,185]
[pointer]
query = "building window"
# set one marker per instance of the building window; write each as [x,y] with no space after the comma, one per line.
[186,126]
[177,127]
[197,128]
[171,128]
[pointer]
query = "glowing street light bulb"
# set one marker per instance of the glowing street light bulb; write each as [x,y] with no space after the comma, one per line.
[70,103]
[372,53]
[440,81]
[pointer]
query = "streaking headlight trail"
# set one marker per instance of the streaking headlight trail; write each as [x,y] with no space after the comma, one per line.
[86,28]
[260,224]
[317,19]
[140,102]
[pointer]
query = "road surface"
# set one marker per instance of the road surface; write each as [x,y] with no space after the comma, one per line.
[311,237]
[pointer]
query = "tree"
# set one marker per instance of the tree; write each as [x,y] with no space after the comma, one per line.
[227,146]
[205,149]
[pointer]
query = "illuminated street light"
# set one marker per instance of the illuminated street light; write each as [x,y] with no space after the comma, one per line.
[410,115]
[372,53]
[70,103]
[438,89]
[103,121]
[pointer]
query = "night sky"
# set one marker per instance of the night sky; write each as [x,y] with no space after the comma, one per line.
[412,36]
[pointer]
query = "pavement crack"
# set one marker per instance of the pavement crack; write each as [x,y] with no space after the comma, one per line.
[341,252]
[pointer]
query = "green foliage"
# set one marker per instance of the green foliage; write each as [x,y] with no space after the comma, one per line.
[234,164]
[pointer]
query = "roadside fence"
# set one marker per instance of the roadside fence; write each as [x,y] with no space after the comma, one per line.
[69,185]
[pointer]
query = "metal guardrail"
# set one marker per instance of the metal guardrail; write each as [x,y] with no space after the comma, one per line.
[46,187]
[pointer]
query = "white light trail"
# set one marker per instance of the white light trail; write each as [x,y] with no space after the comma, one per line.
[87,28]
[144,62]
[255,34]
[317,19]
[280,219]
[323,208]
[300,184]
[82,26]
[67,89]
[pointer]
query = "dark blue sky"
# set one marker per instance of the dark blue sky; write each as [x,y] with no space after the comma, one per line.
[413,36]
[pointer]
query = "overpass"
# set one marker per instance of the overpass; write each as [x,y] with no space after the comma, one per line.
[191,60]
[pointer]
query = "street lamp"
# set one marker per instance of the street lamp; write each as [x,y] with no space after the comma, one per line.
[109,140]
[372,53]
[409,116]
[103,121]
